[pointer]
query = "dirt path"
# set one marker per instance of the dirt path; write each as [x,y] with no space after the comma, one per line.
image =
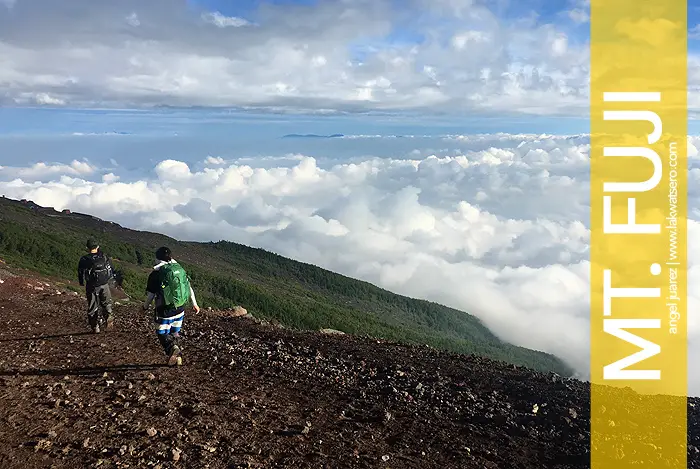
[252,395]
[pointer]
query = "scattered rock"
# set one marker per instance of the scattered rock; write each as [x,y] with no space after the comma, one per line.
[306,428]
[43,445]
[397,405]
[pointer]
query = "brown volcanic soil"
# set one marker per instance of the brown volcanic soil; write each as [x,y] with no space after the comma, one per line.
[255,395]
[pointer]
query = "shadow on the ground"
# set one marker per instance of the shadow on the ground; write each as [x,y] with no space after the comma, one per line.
[98,370]
[46,337]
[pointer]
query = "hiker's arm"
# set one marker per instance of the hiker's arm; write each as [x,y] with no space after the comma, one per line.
[149,298]
[81,272]
[151,289]
[193,299]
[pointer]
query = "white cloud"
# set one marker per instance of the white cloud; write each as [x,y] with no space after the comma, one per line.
[41,170]
[133,20]
[110,177]
[579,15]
[40,99]
[170,170]
[560,45]
[694,32]
[214,160]
[334,56]
[499,231]
[222,21]
[468,38]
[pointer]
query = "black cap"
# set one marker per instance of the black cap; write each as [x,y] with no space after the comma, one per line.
[163,254]
[91,244]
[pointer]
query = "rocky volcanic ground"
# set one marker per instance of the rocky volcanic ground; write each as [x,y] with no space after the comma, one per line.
[256,395]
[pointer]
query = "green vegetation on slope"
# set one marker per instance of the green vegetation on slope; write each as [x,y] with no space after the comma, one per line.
[270,286]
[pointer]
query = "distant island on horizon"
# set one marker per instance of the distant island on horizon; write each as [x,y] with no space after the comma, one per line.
[312,136]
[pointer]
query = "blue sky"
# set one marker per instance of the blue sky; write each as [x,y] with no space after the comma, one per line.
[448,66]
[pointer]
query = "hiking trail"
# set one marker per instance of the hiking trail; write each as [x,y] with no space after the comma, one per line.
[252,394]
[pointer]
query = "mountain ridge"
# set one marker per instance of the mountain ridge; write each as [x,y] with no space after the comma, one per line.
[312,136]
[226,274]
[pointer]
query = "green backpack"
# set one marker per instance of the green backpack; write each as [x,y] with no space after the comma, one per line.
[175,285]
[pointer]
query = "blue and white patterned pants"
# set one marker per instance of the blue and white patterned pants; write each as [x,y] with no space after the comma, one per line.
[168,328]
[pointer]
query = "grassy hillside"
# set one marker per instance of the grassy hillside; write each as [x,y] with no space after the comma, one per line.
[225,274]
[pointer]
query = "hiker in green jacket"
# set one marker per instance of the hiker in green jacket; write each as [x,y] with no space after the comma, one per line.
[169,285]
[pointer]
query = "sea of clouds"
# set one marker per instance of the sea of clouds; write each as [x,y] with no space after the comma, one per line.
[499,229]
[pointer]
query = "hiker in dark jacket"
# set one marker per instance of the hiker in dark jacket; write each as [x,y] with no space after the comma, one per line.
[95,270]
[169,285]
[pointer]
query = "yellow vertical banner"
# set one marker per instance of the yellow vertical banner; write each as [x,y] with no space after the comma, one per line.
[638,234]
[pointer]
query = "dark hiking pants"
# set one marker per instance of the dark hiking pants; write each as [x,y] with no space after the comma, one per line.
[99,298]
[168,325]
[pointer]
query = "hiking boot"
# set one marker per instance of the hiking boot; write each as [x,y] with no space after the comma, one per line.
[96,328]
[175,357]
[110,322]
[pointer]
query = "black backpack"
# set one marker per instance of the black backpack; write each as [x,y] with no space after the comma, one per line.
[100,271]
